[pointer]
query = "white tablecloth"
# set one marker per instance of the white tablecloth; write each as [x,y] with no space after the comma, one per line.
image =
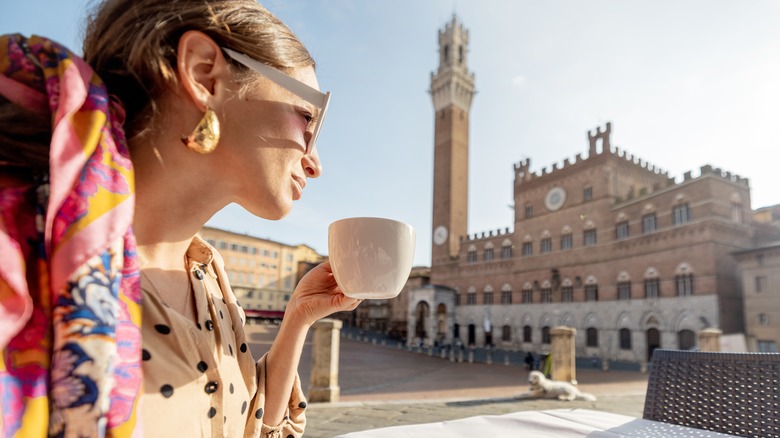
[552,423]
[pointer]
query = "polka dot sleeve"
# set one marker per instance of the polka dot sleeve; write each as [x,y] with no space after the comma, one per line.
[295,418]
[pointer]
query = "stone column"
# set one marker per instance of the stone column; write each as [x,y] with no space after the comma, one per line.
[709,339]
[563,366]
[325,361]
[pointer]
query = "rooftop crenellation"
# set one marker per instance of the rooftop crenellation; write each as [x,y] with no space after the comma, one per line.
[487,234]
[708,169]
[523,172]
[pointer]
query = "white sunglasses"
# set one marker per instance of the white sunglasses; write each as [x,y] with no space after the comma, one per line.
[315,97]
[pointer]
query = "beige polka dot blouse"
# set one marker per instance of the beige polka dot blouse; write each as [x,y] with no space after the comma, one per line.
[200,379]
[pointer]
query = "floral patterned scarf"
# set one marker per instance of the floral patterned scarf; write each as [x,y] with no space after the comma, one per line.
[70,301]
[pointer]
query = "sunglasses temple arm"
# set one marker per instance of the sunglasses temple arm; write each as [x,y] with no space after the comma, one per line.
[308,93]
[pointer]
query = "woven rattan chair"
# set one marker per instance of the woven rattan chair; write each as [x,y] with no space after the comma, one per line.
[734,393]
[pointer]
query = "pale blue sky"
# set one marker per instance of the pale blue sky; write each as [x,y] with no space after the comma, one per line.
[684,83]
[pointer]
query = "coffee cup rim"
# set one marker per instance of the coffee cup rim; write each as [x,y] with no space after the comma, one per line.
[370,218]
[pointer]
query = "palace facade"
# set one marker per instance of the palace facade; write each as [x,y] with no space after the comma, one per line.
[606,243]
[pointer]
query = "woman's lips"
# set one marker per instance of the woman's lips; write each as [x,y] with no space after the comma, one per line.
[298,185]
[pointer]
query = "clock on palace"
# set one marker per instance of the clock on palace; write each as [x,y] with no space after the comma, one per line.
[555,198]
[440,235]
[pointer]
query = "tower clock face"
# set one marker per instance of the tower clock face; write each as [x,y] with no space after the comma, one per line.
[555,198]
[440,235]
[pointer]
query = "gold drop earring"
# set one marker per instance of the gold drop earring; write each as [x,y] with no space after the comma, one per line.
[205,137]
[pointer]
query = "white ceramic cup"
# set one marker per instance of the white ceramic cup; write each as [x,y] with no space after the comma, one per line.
[371,257]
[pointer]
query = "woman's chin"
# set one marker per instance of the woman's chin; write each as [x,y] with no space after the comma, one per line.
[275,213]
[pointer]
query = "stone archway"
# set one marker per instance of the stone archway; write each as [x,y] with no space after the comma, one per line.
[686,339]
[472,334]
[653,341]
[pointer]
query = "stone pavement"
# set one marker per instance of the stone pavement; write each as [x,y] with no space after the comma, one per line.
[385,386]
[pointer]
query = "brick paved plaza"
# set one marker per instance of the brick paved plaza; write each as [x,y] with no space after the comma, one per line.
[385,386]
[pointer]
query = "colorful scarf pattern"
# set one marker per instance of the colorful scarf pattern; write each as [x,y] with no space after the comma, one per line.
[70,297]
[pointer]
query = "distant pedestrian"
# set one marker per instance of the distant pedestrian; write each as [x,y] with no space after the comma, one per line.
[529,360]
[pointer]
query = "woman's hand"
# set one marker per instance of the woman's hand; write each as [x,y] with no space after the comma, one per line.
[317,296]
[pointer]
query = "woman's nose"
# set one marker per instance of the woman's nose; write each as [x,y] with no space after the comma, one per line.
[312,164]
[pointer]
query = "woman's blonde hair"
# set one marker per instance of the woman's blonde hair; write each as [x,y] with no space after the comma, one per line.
[131,45]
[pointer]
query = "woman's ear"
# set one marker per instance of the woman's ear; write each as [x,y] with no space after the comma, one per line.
[201,68]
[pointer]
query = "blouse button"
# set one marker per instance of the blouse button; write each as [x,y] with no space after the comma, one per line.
[211,387]
[199,274]
[209,325]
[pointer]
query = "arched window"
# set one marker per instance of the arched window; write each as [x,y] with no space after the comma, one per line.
[589,235]
[506,294]
[567,291]
[527,333]
[546,335]
[487,296]
[546,292]
[624,286]
[683,280]
[622,229]
[545,245]
[566,240]
[488,252]
[506,333]
[591,289]
[471,256]
[681,214]
[471,296]
[684,284]
[625,339]
[506,249]
[649,219]
[592,337]
[652,284]
[528,294]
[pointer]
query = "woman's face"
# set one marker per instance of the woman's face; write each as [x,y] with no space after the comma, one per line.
[261,150]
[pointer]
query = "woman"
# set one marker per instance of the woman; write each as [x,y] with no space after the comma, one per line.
[207,123]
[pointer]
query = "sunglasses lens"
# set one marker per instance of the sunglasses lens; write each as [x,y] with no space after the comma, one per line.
[316,132]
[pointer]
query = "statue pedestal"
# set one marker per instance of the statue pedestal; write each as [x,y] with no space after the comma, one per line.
[563,364]
[325,361]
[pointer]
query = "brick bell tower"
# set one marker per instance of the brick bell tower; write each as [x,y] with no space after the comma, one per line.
[452,88]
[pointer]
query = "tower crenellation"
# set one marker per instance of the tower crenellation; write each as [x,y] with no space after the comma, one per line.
[603,136]
[452,83]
